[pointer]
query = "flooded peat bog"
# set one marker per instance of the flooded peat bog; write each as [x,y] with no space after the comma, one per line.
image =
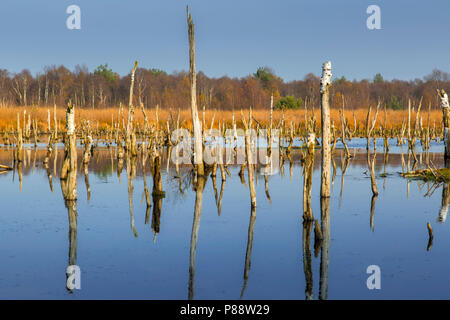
[144,228]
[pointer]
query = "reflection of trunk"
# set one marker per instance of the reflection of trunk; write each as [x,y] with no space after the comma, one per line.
[430,236]
[291,167]
[324,258]
[372,212]
[156,215]
[307,185]
[266,186]
[146,191]
[334,170]
[68,188]
[248,253]
[371,165]
[19,170]
[444,204]
[49,176]
[214,183]
[71,206]
[219,203]
[119,168]
[386,160]
[194,236]
[158,194]
[131,173]
[306,244]
[86,181]
[344,165]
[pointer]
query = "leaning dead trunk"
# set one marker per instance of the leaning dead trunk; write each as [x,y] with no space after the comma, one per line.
[371,165]
[198,143]
[325,117]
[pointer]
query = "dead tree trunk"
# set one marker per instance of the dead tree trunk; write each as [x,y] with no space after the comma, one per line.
[446,121]
[19,141]
[249,155]
[198,143]
[325,117]
[131,135]
[308,169]
[69,167]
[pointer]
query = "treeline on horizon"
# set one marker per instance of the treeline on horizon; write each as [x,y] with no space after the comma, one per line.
[103,88]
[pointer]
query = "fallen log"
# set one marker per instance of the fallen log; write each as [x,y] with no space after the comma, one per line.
[5,168]
[438,175]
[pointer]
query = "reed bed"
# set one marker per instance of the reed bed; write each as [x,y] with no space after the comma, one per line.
[104,117]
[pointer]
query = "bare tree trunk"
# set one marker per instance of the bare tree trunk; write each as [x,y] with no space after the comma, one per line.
[308,169]
[249,155]
[19,141]
[198,141]
[55,124]
[325,117]
[446,122]
[69,167]
[130,133]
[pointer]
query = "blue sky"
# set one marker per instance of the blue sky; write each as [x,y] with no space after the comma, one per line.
[234,38]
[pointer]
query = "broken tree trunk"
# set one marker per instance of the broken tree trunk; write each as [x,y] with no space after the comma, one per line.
[446,121]
[308,169]
[130,134]
[69,167]
[325,117]
[19,157]
[249,155]
[198,143]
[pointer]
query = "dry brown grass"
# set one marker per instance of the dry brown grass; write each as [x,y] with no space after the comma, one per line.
[395,118]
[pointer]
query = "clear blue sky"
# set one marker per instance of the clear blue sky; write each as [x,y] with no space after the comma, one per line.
[233,37]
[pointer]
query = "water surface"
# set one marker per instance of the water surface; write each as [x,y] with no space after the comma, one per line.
[235,253]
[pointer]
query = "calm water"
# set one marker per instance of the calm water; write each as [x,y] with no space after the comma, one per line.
[137,254]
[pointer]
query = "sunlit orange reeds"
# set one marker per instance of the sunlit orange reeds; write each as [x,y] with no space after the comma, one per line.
[104,117]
